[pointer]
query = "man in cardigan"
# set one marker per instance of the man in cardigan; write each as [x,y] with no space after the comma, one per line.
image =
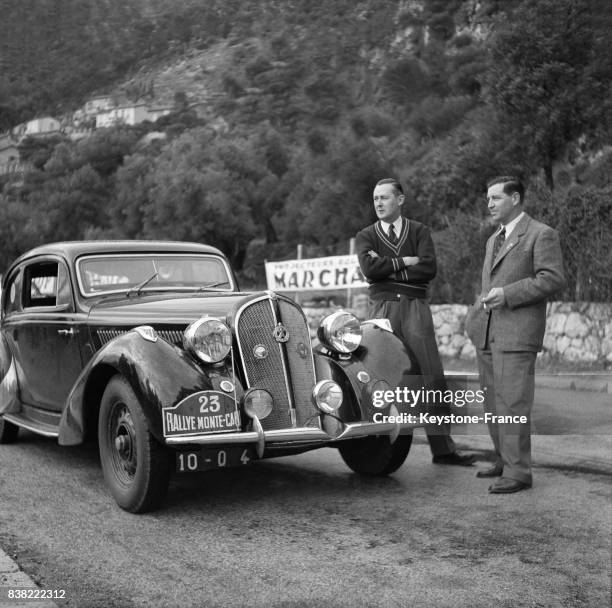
[398,259]
[522,268]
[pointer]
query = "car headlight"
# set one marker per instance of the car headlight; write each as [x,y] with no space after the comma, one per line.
[327,394]
[209,339]
[340,331]
[257,403]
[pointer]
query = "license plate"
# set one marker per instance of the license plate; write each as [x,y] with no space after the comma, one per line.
[213,458]
[201,413]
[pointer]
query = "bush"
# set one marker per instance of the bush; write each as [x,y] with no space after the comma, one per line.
[583,217]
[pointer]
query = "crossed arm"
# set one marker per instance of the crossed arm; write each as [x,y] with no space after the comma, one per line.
[378,267]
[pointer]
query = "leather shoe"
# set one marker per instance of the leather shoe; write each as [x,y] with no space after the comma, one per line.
[462,460]
[504,485]
[495,471]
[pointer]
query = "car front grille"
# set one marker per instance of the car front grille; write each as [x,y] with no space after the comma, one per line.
[287,369]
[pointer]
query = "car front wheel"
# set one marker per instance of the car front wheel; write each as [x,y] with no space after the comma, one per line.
[8,431]
[375,455]
[136,467]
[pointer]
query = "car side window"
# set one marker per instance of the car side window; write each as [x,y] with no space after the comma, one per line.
[12,294]
[46,284]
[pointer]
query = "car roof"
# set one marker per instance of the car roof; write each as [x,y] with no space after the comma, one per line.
[74,249]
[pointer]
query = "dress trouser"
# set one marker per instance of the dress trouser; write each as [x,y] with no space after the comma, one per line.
[411,321]
[509,383]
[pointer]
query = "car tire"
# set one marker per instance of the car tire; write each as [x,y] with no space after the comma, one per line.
[375,455]
[8,431]
[136,467]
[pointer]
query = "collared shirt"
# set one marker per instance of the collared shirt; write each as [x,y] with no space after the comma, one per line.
[397,226]
[510,226]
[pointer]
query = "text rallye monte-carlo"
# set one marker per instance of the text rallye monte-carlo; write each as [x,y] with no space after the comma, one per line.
[150,348]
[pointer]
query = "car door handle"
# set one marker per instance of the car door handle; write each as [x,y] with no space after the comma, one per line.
[67,332]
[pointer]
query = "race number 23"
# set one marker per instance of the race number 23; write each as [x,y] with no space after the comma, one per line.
[209,404]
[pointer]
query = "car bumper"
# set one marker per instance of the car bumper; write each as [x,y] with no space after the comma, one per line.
[294,436]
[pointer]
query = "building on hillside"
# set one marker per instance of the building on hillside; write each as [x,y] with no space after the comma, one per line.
[132,114]
[10,163]
[75,133]
[8,149]
[129,114]
[37,127]
[85,116]
[98,104]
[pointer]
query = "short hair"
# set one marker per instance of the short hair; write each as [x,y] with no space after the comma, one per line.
[391,180]
[511,183]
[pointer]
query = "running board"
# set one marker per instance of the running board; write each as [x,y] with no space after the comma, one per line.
[40,428]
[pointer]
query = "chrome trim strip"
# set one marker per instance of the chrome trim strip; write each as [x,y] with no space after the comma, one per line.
[247,437]
[261,436]
[299,434]
[234,382]
[393,435]
[283,356]
[362,429]
[30,427]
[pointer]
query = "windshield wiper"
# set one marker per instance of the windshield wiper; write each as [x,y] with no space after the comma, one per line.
[138,288]
[211,286]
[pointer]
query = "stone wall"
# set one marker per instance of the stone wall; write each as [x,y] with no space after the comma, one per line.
[575,331]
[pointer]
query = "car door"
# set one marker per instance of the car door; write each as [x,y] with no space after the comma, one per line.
[44,335]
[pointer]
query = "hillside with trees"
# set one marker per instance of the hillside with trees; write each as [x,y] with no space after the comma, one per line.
[286,112]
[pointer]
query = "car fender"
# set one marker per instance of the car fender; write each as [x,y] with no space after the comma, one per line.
[160,374]
[382,361]
[9,386]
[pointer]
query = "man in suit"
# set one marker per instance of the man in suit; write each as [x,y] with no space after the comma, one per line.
[397,257]
[522,268]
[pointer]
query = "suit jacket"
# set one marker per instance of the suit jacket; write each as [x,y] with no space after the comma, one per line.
[529,268]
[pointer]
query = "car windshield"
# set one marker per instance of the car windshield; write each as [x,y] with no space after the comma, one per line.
[146,272]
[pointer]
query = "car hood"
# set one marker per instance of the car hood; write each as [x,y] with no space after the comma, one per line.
[171,309]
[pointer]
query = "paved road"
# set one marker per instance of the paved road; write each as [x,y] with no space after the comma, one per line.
[305,532]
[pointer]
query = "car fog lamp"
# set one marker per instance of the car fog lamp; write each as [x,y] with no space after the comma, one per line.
[340,331]
[209,339]
[327,395]
[258,403]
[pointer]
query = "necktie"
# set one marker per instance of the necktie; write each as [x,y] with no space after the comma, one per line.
[392,235]
[499,241]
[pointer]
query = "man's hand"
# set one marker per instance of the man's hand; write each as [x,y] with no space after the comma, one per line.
[373,254]
[410,260]
[494,299]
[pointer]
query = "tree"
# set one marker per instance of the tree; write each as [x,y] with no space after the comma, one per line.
[218,189]
[330,195]
[546,79]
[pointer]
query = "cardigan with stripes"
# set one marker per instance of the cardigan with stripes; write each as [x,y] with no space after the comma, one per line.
[387,274]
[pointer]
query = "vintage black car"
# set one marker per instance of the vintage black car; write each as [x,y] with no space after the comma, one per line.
[150,348]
